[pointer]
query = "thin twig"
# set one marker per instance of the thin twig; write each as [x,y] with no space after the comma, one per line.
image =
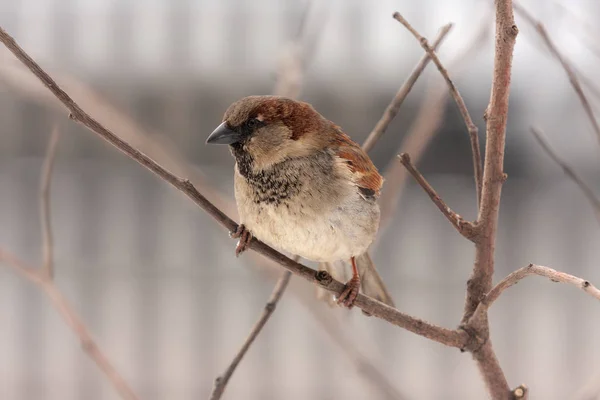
[453,338]
[471,127]
[222,380]
[46,223]
[539,27]
[392,109]
[66,311]
[532,269]
[570,172]
[424,128]
[480,282]
[465,228]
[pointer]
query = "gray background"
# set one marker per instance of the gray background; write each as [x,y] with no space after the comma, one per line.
[155,279]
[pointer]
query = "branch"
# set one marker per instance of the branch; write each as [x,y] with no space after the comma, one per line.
[471,127]
[424,128]
[66,311]
[221,381]
[532,269]
[392,109]
[453,338]
[480,281]
[570,172]
[47,240]
[465,228]
[539,27]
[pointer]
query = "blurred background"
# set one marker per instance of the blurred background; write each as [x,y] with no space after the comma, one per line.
[155,279]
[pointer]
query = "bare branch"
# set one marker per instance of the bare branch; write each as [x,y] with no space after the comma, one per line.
[465,228]
[424,128]
[493,176]
[453,338]
[392,109]
[221,381]
[539,27]
[497,111]
[66,311]
[532,269]
[570,172]
[47,240]
[471,127]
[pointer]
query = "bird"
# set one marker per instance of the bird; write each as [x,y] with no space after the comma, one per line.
[303,186]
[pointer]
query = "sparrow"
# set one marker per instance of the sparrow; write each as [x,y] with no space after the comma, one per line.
[303,186]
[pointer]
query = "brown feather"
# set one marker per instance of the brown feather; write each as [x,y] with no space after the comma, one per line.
[364,172]
[300,117]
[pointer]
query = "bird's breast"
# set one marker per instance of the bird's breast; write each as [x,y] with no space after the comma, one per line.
[305,212]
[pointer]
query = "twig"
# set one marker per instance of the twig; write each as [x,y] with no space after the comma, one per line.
[570,172]
[532,269]
[493,176]
[221,381]
[47,240]
[465,228]
[424,128]
[539,27]
[453,338]
[471,127]
[392,109]
[66,311]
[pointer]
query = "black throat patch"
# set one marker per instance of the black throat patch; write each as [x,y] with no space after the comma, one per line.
[270,186]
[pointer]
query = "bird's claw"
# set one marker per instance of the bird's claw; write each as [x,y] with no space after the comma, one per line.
[350,292]
[244,237]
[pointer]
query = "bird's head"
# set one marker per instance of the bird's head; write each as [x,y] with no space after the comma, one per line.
[270,129]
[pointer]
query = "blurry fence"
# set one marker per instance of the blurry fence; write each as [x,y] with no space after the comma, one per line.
[156,280]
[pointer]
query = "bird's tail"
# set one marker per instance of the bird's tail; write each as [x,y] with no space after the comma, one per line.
[371,283]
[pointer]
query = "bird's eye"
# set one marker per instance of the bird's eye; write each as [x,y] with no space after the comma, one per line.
[253,123]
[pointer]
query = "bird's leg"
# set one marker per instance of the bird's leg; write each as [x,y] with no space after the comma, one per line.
[350,292]
[244,235]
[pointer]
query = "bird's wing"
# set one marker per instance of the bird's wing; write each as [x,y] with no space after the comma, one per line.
[358,165]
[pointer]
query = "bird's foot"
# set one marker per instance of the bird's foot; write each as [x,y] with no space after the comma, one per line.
[350,292]
[244,237]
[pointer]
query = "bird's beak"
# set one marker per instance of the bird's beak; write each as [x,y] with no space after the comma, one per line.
[223,135]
